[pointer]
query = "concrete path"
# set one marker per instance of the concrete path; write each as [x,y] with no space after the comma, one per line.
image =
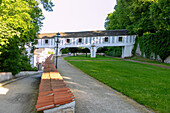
[20,96]
[157,65]
[93,96]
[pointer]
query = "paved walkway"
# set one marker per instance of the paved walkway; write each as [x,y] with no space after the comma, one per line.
[93,96]
[157,65]
[20,96]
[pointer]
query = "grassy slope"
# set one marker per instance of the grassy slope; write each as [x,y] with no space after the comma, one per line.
[148,85]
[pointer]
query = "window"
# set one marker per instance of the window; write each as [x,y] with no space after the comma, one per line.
[106,39]
[46,41]
[68,40]
[80,40]
[120,39]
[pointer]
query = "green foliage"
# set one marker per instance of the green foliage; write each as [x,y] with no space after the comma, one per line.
[20,21]
[135,46]
[159,13]
[160,42]
[73,50]
[65,50]
[25,64]
[102,50]
[163,44]
[85,50]
[10,58]
[114,51]
[149,19]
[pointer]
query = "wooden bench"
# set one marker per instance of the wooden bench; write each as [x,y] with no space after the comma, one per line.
[53,92]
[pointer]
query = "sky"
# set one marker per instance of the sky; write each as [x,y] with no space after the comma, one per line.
[77,15]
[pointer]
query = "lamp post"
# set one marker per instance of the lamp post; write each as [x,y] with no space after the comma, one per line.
[57,42]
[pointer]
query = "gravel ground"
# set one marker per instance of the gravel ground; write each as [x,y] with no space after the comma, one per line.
[21,96]
[93,96]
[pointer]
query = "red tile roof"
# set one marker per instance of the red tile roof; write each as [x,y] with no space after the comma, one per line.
[52,90]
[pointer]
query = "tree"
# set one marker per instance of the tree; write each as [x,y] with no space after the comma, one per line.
[159,12]
[149,19]
[85,50]
[20,21]
[73,50]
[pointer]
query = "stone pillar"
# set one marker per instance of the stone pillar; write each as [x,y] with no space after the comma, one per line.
[93,51]
[127,51]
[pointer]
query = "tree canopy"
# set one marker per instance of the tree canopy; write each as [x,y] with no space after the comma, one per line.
[143,17]
[20,21]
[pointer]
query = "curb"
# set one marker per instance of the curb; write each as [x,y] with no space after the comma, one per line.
[16,79]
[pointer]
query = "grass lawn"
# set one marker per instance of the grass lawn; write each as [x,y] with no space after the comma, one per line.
[83,57]
[148,85]
[138,58]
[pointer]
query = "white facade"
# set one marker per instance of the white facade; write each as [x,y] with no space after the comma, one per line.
[92,43]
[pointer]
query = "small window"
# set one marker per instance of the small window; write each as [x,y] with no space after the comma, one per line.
[46,41]
[80,40]
[106,39]
[68,40]
[120,39]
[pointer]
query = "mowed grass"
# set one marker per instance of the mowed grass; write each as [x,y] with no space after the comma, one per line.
[83,57]
[148,85]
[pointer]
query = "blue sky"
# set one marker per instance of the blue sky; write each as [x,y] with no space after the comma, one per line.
[77,15]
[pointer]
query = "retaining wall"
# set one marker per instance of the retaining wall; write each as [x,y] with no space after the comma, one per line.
[4,76]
